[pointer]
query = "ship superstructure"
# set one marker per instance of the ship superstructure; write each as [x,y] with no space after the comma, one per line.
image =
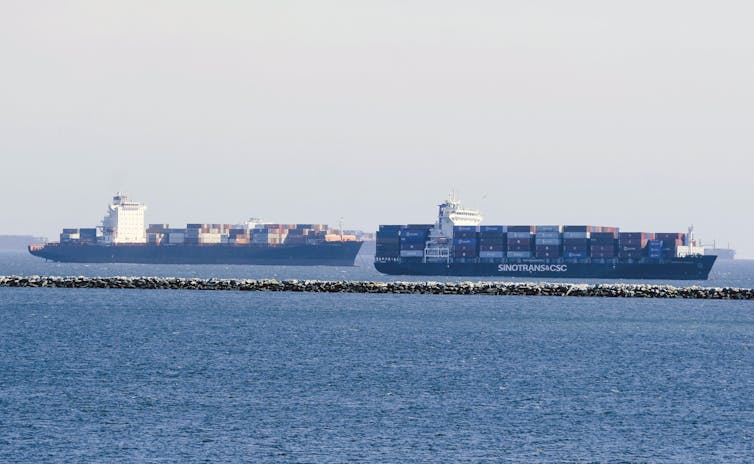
[124,221]
[451,216]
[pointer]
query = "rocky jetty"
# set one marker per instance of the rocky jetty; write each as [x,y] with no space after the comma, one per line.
[431,288]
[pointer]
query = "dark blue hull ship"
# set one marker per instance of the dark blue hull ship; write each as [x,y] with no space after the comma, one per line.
[457,245]
[323,254]
[687,268]
[123,238]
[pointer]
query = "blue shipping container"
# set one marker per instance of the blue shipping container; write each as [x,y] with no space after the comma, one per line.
[575,254]
[414,233]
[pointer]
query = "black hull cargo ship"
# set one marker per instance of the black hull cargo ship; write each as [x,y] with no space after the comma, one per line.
[122,238]
[456,245]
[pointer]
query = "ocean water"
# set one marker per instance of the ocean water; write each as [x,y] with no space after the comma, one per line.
[180,376]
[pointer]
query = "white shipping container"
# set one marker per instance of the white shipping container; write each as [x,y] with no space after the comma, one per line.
[209,238]
[575,234]
[412,253]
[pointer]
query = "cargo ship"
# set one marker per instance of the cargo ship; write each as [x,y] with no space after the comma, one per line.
[458,245]
[123,238]
[723,254]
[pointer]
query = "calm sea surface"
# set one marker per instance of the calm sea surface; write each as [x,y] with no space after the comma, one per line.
[180,376]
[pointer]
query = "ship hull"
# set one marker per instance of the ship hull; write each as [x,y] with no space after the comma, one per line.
[688,268]
[325,254]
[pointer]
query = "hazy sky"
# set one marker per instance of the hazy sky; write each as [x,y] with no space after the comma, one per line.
[637,114]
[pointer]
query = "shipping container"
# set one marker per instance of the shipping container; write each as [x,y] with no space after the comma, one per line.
[529,229]
[489,247]
[414,233]
[464,241]
[547,253]
[624,254]
[636,235]
[519,235]
[89,233]
[412,253]
[579,243]
[492,229]
[574,254]
[176,237]
[491,254]
[547,229]
[548,241]
[502,239]
[601,249]
[518,254]
[581,229]
[465,252]
[576,234]
[385,236]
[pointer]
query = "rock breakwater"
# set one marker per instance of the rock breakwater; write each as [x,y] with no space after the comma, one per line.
[431,288]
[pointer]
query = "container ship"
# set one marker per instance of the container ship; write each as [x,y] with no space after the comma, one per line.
[457,245]
[723,254]
[123,238]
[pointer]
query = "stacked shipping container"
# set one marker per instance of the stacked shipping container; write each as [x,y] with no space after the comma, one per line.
[493,241]
[602,244]
[413,239]
[465,245]
[520,241]
[670,242]
[548,242]
[541,242]
[576,241]
[631,244]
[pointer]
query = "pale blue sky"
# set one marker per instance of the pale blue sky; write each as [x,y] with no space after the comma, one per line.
[636,114]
